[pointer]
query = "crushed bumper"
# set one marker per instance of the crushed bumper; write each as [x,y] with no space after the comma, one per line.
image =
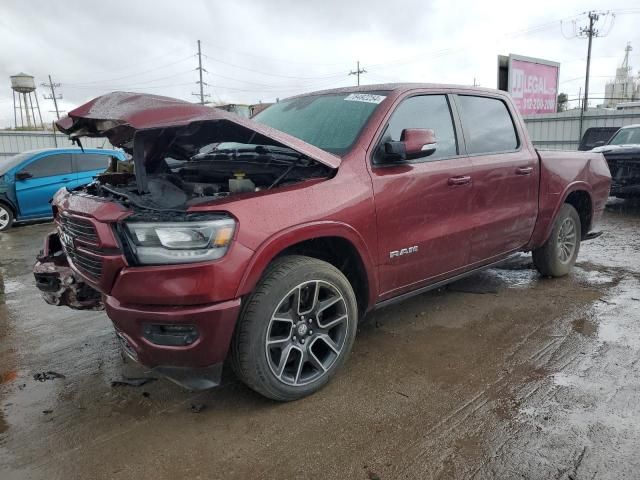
[58,283]
[196,364]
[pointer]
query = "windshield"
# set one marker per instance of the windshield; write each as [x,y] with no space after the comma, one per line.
[331,122]
[626,136]
[8,163]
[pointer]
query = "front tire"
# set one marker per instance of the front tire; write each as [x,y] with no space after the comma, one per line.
[6,218]
[296,329]
[558,255]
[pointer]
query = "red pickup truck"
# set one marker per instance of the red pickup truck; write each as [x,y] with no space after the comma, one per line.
[263,242]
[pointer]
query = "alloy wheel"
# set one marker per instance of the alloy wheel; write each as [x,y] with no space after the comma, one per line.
[4,218]
[567,240]
[307,332]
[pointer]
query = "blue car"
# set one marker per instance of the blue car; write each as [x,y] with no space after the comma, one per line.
[29,180]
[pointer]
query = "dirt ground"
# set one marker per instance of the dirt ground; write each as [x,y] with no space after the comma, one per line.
[503,375]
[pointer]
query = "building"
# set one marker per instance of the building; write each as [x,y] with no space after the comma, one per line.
[625,87]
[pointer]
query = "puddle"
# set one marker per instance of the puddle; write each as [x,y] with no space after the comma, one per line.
[584,326]
[11,286]
[593,277]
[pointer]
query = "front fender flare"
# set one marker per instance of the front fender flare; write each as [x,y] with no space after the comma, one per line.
[269,249]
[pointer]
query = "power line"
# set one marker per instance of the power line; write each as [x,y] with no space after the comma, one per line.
[127,85]
[273,59]
[152,59]
[269,74]
[160,67]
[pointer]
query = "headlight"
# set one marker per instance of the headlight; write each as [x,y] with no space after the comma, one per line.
[180,242]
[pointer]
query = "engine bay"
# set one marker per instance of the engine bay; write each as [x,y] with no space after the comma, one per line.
[216,171]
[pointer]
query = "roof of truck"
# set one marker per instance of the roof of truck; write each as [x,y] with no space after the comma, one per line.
[401,87]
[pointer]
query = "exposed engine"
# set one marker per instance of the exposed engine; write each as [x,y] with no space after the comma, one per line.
[207,176]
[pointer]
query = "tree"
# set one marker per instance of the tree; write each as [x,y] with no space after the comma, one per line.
[563,100]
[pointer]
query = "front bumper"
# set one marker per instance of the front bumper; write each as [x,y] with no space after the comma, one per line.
[196,366]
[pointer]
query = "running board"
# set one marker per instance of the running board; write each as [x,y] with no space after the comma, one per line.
[591,236]
[433,286]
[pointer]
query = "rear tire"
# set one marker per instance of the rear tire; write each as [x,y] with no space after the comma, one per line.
[296,329]
[558,254]
[6,218]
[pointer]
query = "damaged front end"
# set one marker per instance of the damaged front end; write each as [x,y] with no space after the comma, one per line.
[624,164]
[186,154]
[58,283]
[183,156]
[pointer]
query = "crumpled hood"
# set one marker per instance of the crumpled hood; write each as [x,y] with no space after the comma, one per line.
[119,115]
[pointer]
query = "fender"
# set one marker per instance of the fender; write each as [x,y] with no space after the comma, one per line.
[268,250]
[4,199]
[549,212]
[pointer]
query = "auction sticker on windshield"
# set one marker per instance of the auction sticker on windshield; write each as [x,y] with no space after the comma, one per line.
[365,97]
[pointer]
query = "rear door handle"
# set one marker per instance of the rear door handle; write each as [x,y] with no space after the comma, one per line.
[460,180]
[524,170]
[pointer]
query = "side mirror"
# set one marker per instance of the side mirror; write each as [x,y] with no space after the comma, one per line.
[414,143]
[23,175]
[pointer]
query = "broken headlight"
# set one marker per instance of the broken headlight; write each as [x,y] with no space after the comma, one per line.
[180,242]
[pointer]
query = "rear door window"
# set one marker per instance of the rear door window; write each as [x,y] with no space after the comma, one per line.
[487,124]
[49,166]
[84,162]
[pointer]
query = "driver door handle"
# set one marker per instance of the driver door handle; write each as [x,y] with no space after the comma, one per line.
[459,180]
[524,170]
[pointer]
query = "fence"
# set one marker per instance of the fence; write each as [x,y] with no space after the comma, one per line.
[12,142]
[551,131]
[563,131]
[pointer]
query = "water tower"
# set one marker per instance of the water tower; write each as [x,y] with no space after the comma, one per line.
[24,90]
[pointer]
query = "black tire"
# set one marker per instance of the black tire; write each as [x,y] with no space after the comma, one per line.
[552,259]
[253,359]
[6,217]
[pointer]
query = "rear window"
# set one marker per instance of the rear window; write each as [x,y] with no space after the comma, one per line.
[488,126]
[83,162]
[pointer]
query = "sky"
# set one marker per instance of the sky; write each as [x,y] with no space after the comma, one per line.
[259,51]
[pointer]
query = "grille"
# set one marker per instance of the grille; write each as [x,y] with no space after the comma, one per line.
[78,228]
[86,259]
[87,263]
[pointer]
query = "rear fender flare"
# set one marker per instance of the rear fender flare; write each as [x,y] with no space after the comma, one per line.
[268,250]
[543,232]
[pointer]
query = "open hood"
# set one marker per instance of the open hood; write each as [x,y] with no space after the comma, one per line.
[119,115]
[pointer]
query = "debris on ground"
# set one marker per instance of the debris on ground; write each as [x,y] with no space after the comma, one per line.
[197,407]
[47,412]
[132,382]
[49,375]
[8,376]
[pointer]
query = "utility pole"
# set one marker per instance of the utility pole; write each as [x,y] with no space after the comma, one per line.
[55,97]
[200,82]
[358,72]
[590,32]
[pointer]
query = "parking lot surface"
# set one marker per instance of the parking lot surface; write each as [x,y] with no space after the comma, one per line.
[502,375]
